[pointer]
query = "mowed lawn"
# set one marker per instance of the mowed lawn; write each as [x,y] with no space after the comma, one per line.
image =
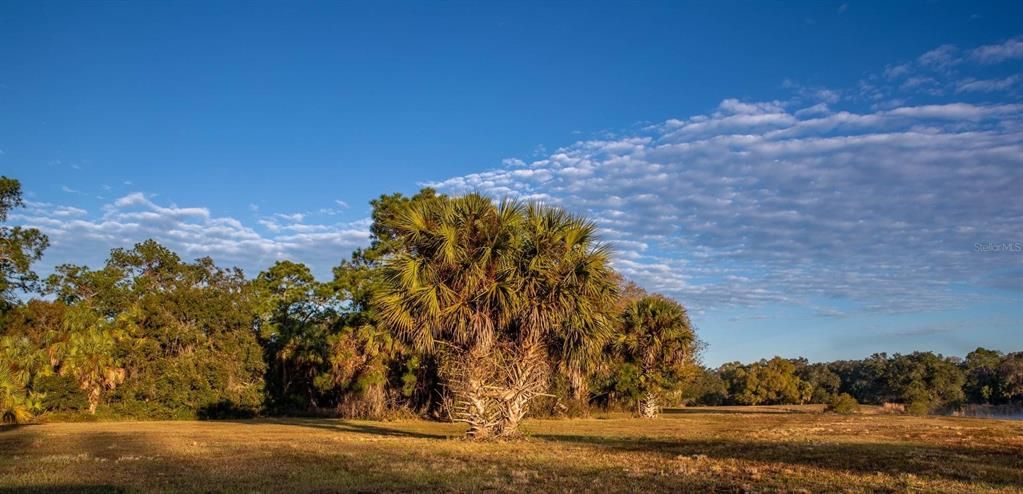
[696,450]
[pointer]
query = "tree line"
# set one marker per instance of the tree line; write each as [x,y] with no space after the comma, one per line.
[459,309]
[920,382]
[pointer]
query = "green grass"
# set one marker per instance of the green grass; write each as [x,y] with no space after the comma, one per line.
[723,449]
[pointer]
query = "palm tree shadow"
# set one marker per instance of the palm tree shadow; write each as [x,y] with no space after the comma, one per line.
[351,426]
[385,431]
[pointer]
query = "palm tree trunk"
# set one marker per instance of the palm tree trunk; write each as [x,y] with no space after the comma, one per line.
[94,394]
[477,409]
[578,385]
[469,377]
[648,406]
[578,393]
[525,377]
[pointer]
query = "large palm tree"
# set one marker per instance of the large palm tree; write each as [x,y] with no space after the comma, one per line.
[490,287]
[14,404]
[658,338]
[453,284]
[88,354]
[568,289]
[20,362]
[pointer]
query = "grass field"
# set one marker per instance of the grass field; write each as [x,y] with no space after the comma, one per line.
[702,450]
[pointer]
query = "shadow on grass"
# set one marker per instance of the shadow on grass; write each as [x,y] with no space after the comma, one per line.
[376,430]
[757,410]
[719,411]
[10,427]
[339,425]
[68,488]
[998,466]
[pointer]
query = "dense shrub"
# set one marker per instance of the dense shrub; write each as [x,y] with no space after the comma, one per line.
[843,404]
[61,394]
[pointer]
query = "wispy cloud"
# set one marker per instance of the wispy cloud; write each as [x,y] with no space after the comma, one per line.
[971,85]
[1009,50]
[944,70]
[940,57]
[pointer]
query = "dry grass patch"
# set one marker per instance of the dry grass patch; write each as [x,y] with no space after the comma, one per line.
[705,450]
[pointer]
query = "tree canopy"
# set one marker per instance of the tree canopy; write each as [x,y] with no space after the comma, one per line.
[19,248]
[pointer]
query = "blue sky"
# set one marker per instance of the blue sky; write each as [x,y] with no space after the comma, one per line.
[827,179]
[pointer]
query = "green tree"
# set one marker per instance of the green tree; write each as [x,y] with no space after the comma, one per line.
[982,383]
[1010,378]
[488,287]
[88,355]
[924,381]
[389,214]
[865,380]
[294,314]
[19,248]
[843,404]
[374,369]
[16,406]
[185,333]
[767,382]
[26,357]
[20,364]
[452,288]
[658,339]
[818,379]
[567,291]
[707,388]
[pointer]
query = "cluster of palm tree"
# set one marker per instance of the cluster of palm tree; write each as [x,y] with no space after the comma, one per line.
[509,293]
[81,350]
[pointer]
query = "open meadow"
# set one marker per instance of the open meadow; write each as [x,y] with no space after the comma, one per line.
[725,449]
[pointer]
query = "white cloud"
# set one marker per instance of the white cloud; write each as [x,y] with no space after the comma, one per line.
[1008,50]
[897,71]
[940,57]
[735,106]
[68,211]
[296,217]
[941,71]
[971,85]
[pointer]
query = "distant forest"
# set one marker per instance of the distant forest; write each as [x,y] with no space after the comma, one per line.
[459,309]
